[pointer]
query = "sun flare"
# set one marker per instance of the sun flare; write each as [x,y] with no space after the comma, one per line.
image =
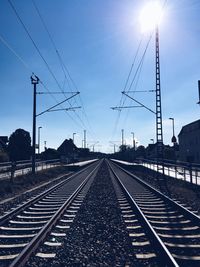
[150,16]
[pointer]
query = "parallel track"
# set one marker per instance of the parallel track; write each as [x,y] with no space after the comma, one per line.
[162,232]
[22,229]
[177,228]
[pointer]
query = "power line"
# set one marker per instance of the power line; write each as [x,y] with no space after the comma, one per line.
[54,106]
[24,63]
[126,83]
[60,105]
[136,84]
[63,66]
[133,64]
[131,69]
[136,75]
[138,70]
[14,52]
[37,49]
[48,32]
[33,42]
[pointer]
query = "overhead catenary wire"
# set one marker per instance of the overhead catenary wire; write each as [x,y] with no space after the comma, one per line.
[136,76]
[135,79]
[139,67]
[79,96]
[33,42]
[40,54]
[131,69]
[48,32]
[136,84]
[2,39]
[65,70]
[138,70]
[51,108]
[45,87]
[26,66]
[29,69]
[133,64]
[126,83]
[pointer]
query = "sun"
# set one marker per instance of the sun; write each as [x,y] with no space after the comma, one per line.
[150,16]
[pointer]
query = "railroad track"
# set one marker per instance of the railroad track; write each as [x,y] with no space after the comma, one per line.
[107,226]
[24,228]
[158,231]
[177,228]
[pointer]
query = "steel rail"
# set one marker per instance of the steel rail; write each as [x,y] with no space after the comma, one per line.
[187,212]
[162,251]
[17,210]
[23,257]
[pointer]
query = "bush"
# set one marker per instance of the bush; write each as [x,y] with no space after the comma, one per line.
[4,157]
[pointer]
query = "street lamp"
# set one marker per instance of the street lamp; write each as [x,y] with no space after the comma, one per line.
[73,136]
[45,145]
[173,137]
[39,139]
[122,137]
[133,140]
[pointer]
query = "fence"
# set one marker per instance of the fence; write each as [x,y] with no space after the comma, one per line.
[25,167]
[180,170]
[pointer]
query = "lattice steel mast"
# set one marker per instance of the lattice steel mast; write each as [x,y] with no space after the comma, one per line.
[159,128]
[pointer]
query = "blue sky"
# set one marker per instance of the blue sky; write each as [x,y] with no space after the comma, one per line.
[97,41]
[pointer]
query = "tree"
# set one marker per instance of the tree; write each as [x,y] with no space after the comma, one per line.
[140,152]
[19,146]
[3,157]
[123,148]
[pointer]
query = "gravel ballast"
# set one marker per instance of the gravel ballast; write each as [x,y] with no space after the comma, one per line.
[98,236]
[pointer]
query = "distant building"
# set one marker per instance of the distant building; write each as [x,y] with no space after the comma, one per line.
[189,142]
[68,150]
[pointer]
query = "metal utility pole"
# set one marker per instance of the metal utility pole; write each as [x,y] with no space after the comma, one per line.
[199,91]
[73,136]
[114,148]
[45,145]
[122,137]
[39,139]
[113,143]
[34,81]
[84,138]
[159,128]
[93,145]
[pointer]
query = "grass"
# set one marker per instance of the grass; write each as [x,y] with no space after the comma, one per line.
[28,181]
